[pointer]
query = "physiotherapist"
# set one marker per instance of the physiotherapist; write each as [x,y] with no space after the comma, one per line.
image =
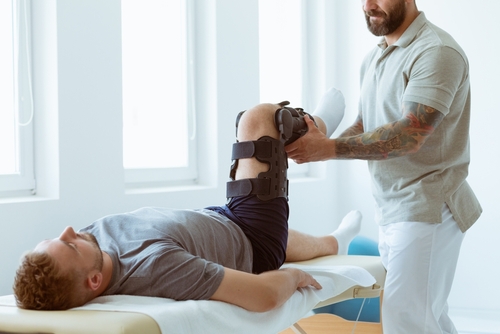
[413,129]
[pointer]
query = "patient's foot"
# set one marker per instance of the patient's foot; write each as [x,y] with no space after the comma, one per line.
[347,230]
[331,109]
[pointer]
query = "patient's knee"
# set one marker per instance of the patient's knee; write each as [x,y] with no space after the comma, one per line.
[257,122]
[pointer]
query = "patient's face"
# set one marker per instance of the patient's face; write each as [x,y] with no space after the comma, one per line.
[74,250]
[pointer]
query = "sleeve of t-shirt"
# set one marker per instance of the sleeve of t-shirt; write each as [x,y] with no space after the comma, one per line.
[435,78]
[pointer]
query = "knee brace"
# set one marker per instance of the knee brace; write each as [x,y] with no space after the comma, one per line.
[290,122]
[268,185]
[273,183]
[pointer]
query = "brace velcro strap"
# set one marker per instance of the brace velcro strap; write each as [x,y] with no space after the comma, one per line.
[249,149]
[246,187]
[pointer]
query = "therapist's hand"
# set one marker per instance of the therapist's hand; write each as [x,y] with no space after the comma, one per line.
[313,146]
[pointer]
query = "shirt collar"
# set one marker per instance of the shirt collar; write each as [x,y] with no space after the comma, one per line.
[409,35]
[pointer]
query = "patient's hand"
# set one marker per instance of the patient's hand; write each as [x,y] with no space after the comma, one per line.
[304,279]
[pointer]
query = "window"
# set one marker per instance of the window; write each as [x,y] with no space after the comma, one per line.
[280,51]
[281,58]
[8,163]
[158,118]
[16,102]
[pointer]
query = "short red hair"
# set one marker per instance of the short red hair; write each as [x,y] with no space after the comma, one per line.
[40,284]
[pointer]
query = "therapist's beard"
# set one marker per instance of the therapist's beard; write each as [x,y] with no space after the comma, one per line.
[392,19]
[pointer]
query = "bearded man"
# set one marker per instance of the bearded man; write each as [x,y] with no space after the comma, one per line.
[413,129]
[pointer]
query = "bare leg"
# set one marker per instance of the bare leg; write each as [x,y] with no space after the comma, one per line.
[302,246]
[254,124]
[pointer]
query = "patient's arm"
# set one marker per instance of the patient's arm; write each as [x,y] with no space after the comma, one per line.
[261,292]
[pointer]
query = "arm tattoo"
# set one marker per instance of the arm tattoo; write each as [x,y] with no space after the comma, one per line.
[355,129]
[395,139]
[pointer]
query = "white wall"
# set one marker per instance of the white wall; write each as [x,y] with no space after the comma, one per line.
[78,127]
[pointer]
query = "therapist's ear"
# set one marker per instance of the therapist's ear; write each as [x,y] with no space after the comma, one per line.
[94,280]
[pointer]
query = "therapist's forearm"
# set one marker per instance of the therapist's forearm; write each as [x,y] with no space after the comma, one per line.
[388,141]
[355,129]
[404,136]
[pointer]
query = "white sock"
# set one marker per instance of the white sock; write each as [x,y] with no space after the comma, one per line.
[347,230]
[331,109]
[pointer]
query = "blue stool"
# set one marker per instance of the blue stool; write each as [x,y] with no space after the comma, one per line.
[349,309]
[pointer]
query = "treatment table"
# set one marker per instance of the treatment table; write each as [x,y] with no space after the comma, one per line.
[342,277]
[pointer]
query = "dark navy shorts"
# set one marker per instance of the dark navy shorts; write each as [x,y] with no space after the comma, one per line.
[265,223]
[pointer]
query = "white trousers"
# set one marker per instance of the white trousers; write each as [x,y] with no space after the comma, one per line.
[420,259]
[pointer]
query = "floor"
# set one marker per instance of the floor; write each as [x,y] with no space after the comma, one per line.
[329,323]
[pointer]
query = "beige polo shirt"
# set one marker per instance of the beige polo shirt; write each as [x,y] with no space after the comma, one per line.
[425,66]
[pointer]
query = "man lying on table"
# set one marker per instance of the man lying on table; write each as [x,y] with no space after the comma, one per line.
[231,253]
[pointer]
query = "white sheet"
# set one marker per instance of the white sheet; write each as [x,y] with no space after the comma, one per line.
[218,317]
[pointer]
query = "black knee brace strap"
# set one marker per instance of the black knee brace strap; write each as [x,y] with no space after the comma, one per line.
[267,185]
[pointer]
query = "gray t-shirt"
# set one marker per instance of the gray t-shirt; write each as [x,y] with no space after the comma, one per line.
[425,66]
[177,254]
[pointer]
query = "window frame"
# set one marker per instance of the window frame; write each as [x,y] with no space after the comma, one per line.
[153,177]
[23,181]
